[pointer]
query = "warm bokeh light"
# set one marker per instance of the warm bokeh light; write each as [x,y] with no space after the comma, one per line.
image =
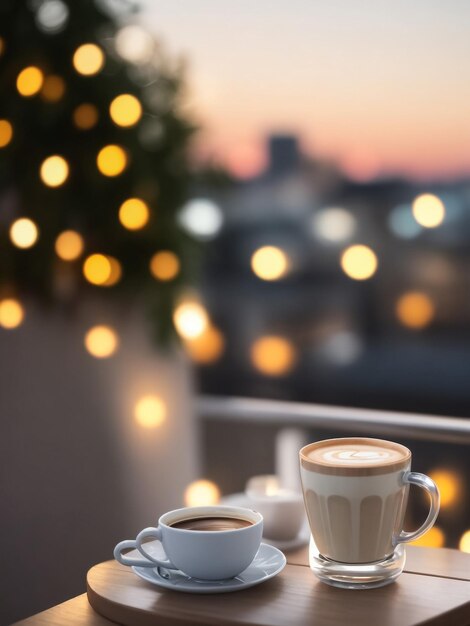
[97,269]
[201,493]
[415,309]
[53,88]
[207,347]
[6,133]
[450,485]
[125,110]
[134,214]
[334,224]
[54,171]
[269,263]
[101,341]
[2,46]
[111,160]
[24,233]
[273,355]
[190,319]
[29,81]
[150,411]
[428,210]
[69,245]
[434,538]
[85,116]
[115,273]
[464,543]
[164,265]
[359,262]
[11,313]
[88,59]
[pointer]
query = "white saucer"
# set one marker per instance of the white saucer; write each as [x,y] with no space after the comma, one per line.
[268,562]
[302,539]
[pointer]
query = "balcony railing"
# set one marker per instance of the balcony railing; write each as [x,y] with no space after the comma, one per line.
[296,422]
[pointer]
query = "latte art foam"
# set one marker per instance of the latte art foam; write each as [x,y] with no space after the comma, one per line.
[355,455]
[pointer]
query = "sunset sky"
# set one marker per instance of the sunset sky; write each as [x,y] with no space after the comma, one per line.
[379,87]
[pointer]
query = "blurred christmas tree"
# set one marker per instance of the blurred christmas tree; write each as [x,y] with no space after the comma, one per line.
[92,157]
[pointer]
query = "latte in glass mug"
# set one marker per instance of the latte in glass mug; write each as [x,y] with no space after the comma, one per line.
[355,492]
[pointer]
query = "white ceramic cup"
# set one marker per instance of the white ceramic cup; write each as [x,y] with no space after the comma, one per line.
[207,555]
[283,513]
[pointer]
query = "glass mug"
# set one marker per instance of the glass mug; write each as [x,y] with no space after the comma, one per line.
[355,492]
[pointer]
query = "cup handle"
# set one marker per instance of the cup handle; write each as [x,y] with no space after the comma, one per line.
[426,483]
[125,560]
[154,533]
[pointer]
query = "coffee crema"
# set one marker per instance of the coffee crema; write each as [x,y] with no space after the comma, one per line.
[355,455]
[212,523]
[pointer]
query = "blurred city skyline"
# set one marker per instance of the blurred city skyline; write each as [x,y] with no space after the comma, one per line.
[380,89]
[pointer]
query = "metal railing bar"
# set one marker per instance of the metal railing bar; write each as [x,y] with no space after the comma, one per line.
[362,421]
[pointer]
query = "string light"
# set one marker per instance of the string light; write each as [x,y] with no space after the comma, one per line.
[11,313]
[97,269]
[190,319]
[6,133]
[273,355]
[164,265]
[134,214]
[125,110]
[359,262]
[464,544]
[69,245]
[53,88]
[85,116]
[115,273]
[207,347]
[29,81]
[428,210]
[54,171]
[111,160]
[23,233]
[101,341]
[88,59]
[150,411]
[449,485]
[201,493]
[269,263]
[433,538]
[415,310]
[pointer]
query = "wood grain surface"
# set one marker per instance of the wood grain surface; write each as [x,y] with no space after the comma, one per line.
[434,590]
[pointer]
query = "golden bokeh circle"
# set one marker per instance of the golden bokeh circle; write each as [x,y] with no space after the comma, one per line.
[273,355]
[11,313]
[29,81]
[111,160]
[85,116]
[134,214]
[101,341]
[125,110]
[69,245]
[165,265]
[269,263]
[359,262]
[54,171]
[88,59]
[6,133]
[24,233]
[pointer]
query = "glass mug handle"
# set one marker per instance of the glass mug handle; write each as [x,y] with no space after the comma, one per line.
[423,481]
[149,561]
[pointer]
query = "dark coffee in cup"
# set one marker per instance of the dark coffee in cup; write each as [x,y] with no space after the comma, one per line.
[212,523]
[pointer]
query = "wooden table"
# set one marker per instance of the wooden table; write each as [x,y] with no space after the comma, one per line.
[434,589]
